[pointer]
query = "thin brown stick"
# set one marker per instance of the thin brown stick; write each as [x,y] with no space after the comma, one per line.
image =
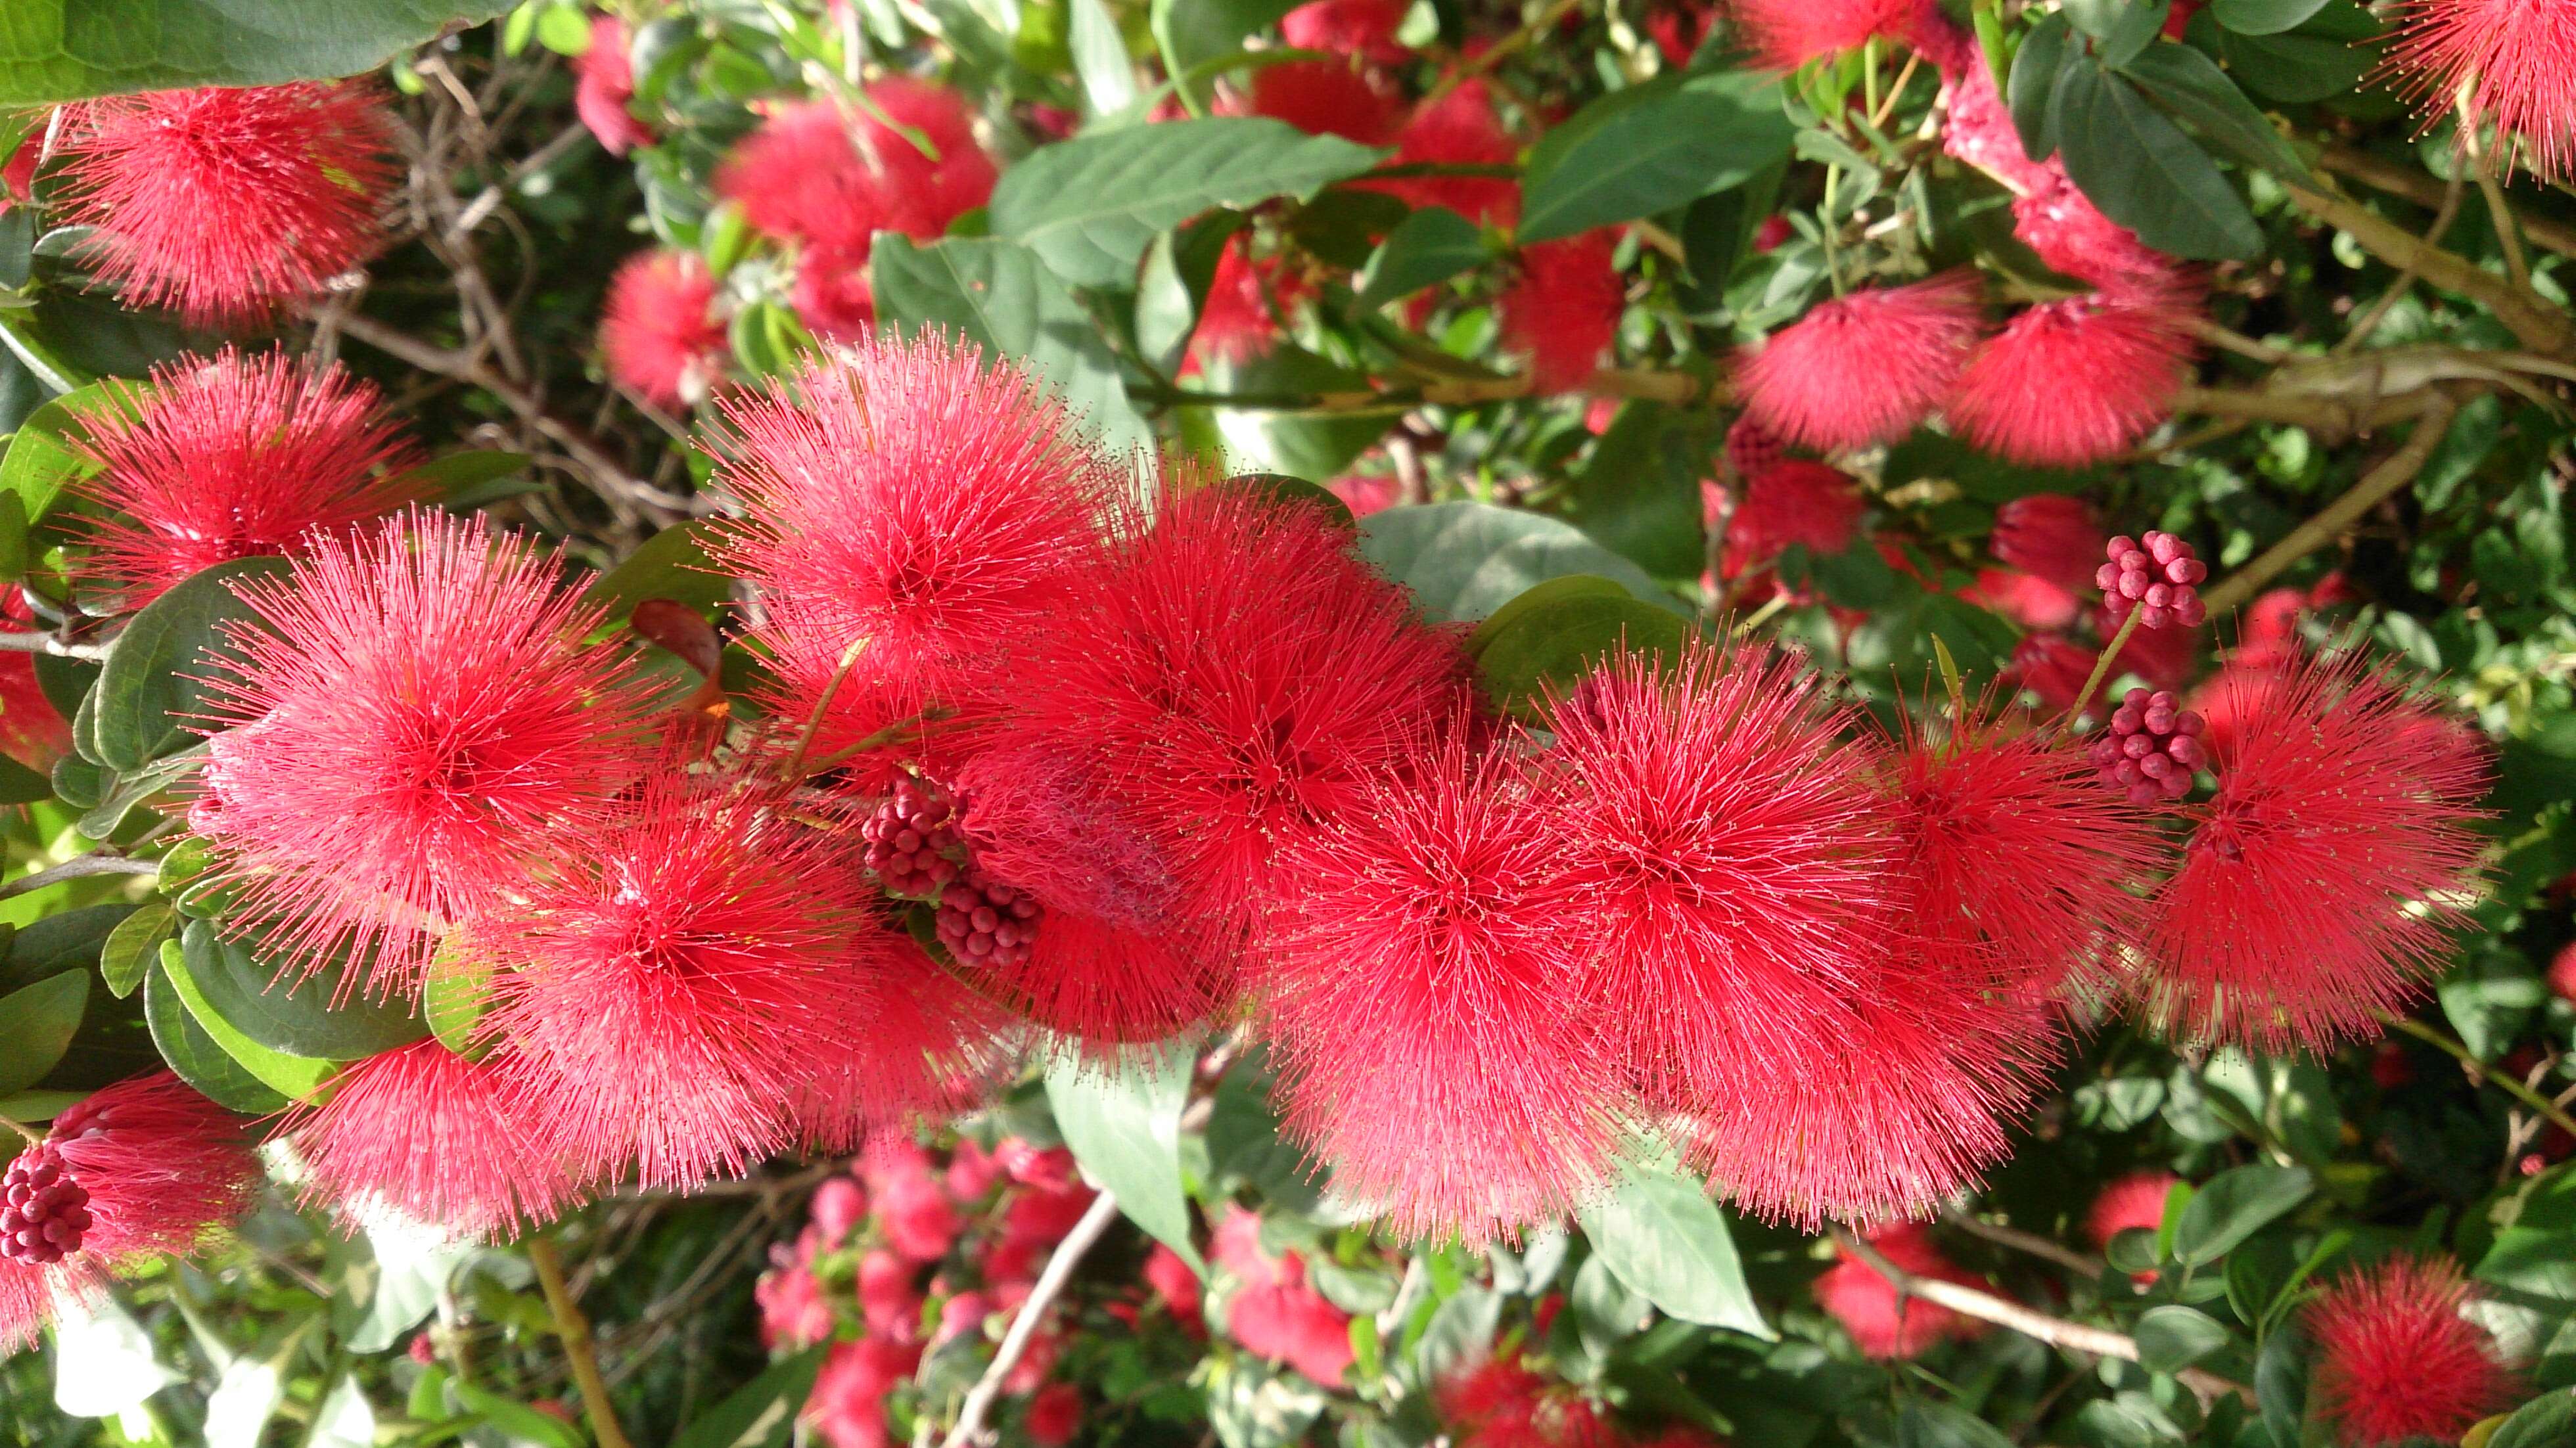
[2502,1080]
[574,1330]
[2369,321]
[2400,180]
[2530,317]
[2027,1242]
[2399,469]
[1050,1283]
[79,867]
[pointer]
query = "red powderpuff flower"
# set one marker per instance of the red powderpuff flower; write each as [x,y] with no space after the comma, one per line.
[32,731]
[1248,301]
[2052,536]
[1457,129]
[833,180]
[1328,98]
[927,1051]
[794,1312]
[2069,383]
[1786,34]
[1562,312]
[603,84]
[2052,666]
[1291,1324]
[1792,501]
[1174,1282]
[1054,1415]
[659,987]
[1499,1403]
[2395,1360]
[156,1167]
[1867,1304]
[834,297]
[659,332]
[2071,234]
[920,1222]
[2033,603]
[888,1301]
[847,1404]
[2133,1202]
[223,204]
[429,1133]
[1347,27]
[2515,59]
[2562,972]
[1735,848]
[910,496]
[1432,1000]
[232,458]
[1240,673]
[417,719]
[2316,888]
[1863,368]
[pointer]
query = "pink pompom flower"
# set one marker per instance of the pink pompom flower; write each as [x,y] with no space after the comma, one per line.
[428,1132]
[1867,1305]
[1561,312]
[2069,383]
[2396,1360]
[2516,62]
[604,84]
[2050,536]
[833,179]
[1794,501]
[659,333]
[1786,34]
[1865,367]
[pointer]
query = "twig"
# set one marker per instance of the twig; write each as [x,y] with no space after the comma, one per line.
[2540,326]
[574,1330]
[2029,1242]
[2370,320]
[2486,163]
[2502,1080]
[2056,1332]
[2423,190]
[2400,468]
[79,867]
[2102,666]
[45,643]
[1059,1270]
[488,200]
[1494,54]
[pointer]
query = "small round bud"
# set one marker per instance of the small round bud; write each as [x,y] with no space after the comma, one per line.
[44,1213]
[2150,746]
[2159,578]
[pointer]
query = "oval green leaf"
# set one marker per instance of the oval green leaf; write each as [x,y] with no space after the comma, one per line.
[1659,1234]
[153,685]
[1122,1121]
[189,1051]
[1649,148]
[1465,560]
[37,1023]
[298,1018]
[59,50]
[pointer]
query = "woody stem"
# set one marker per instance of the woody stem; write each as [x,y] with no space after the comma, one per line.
[574,1331]
[2502,1080]
[1024,1326]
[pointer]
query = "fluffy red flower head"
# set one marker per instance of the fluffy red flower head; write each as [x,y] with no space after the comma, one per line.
[2051,536]
[2395,1360]
[1978,129]
[1865,367]
[604,81]
[847,1404]
[1054,1415]
[1499,1403]
[1241,673]
[1787,34]
[428,1132]
[232,458]
[416,721]
[833,180]
[2052,666]
[659,332]
[1867,1305]
[2033,603]
[2518,60]
[2135,1201]
[1562,312]
[1433,1002]
[1328,98]
[1792,501]
[834,296]
[1458,129]
[223,204]
[2071,382]
[659,991]
[2316,889]
[912,497]
[1347,27]
[1247,301]
[926,1050]
[2562,972]
[2070,234]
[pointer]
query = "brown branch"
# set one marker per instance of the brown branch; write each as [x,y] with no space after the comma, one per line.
[2540,326]
[79,867]
[2425,190]
[2396,471]
[2027,1242]
[574,1330]
[1015,1343]
[2502,1080]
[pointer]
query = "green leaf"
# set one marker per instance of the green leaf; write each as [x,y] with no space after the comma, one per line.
[2171,1338]
[1938,1425]
[2036,68]
[154,683]
[2191,85]
[1661,1235]
[2263,17]
[299,1018]
[1545,651]
[517,1421]
[2281,1383]
[39,462]
[290,1076]
[37,1023]
[1540,596]
[134,947]
[2234,1206]
[1316,448]
[453,997]
[671,564]
[1649,148]
[21,785]
[761,1413]
[1430,246]
[1193,33]
[1639,492]
[2144,172]
[468,478]
[1100,59]
[59,50]
[1465,560]
[2548,1421]
[1089,206]
[997,295]
[2319,61]
[1122,1121]
[193,1054]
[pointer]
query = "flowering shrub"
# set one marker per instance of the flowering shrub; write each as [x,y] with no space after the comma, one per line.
[1585,725]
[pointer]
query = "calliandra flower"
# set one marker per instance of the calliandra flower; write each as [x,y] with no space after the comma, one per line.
[1328,98]
[427,1132]
[1867,1304]
[1247,301]
[2507,63]
[2050,665]
[1241,673]
[1347,27]
[2562,972]
[2318,883]
[143,1170]
[847,1404]
[1274,1312]
[659,986]
[225,204]
[1977,128]
[2069,383]
[1498,1402]
[231,457]
[2132,1202]
[833,179]
[32,731]
[413,719]
[1786,34]
[927,1051]
[911,496]
[1864,367]
[1794,501]
[659,333]
[2396,1360]
[604,84]
[1431,992]
[834,297]
[2055,219]
[2030,601]
[2164,657]
[2051,536]
[1562,311]
[1734,845]
[1457,129]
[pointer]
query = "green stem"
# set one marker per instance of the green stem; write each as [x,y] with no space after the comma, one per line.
[2102,666]
[822,706]
[2495,1076]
